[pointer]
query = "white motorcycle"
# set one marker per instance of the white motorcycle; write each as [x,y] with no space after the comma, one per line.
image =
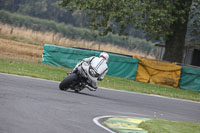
[80,78]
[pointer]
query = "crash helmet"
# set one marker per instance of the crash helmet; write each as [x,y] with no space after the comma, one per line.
[104,55]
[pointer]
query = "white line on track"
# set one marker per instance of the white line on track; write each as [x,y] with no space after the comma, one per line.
[97,119]
[29,77]
[108,89]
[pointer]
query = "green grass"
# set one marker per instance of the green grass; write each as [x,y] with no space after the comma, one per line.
[33,69]
[164,126]
[36,69]
[130,85]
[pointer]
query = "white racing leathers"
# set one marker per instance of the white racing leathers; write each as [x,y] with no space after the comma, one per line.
[95,69]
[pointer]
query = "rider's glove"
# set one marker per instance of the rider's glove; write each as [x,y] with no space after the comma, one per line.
[99,79]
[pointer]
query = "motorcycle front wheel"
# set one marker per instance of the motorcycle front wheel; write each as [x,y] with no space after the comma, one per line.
[65,84]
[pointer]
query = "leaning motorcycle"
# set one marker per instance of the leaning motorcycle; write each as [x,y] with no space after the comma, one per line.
[80,78]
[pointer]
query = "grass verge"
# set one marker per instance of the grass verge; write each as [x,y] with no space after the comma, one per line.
[164,126]
[32,37]
[36,69]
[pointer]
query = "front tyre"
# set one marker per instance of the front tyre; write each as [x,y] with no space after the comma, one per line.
[65,84]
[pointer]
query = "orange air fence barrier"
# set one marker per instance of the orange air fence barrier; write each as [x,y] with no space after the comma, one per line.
[158,72]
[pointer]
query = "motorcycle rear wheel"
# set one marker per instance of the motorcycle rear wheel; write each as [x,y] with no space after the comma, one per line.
[65,84]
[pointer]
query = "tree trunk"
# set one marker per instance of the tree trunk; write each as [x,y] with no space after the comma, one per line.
[174,45]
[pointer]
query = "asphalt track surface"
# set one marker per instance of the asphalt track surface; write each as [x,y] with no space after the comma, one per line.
[30,105]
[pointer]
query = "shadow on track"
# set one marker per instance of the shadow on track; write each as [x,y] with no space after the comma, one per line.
[96,96]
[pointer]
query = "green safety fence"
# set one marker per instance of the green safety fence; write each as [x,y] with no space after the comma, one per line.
[119,65]
[190,78]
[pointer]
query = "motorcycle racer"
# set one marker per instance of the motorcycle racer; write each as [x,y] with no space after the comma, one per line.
[95,68]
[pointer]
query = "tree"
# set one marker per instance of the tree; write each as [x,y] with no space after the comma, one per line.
[159,19]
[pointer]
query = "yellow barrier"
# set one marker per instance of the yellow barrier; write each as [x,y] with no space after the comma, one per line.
[157,72]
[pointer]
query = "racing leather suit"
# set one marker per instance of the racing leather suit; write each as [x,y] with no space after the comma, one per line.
[99,65]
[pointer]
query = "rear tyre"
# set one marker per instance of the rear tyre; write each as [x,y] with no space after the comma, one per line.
[65,84]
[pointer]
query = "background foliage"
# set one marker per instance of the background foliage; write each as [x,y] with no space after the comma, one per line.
[161,20]
[50,9]
[73,32]
[152,16]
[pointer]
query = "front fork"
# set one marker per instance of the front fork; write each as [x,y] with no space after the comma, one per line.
[81,85]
